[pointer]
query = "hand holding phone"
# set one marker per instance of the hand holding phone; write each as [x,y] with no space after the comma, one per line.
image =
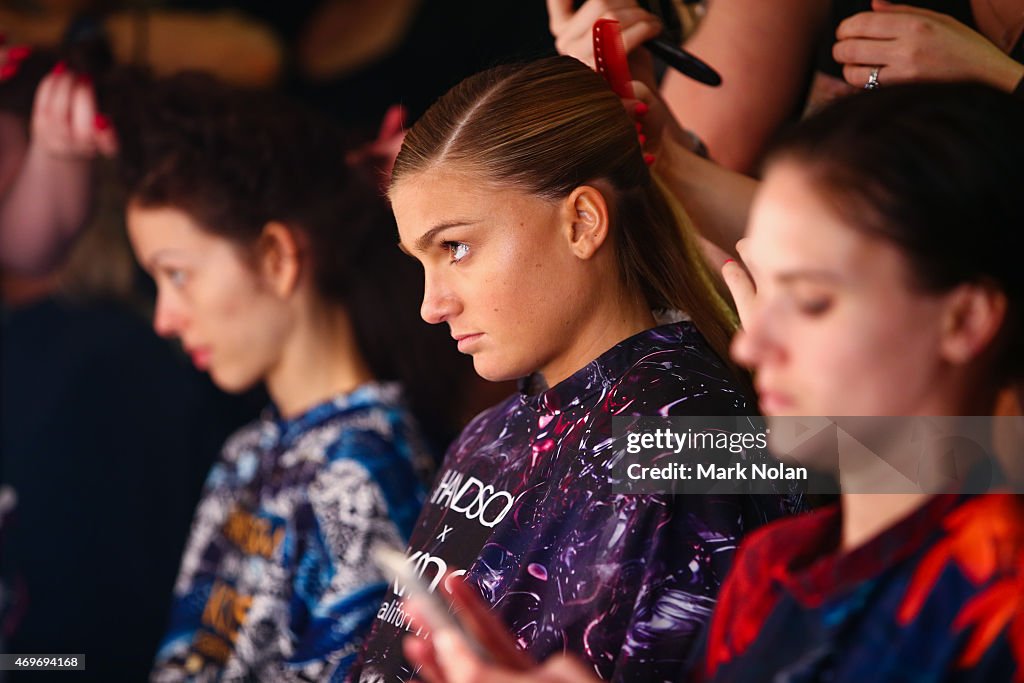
[452,608]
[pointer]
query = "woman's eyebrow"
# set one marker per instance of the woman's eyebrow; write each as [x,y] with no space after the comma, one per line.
[153,262]
[788,277]
[426,239]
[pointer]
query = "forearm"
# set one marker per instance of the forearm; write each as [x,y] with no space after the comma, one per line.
[48,204]
[763,52]
[717,199]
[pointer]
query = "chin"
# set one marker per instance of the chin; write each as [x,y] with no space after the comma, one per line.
[496,372]
[232,384]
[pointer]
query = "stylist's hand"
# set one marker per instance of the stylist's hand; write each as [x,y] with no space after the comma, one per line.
[380,154]
[661,136]
[740,285]
[445,657]
[65,121]
[913,44]
[572,30]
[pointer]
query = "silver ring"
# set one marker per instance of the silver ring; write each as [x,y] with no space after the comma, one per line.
[872,79]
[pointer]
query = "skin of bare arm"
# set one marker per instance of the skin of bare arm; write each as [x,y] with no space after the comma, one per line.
[763,51]
[49,199]
[716,198]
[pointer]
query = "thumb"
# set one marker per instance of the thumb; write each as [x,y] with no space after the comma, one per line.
[393,122]
[741,287]
[457,661]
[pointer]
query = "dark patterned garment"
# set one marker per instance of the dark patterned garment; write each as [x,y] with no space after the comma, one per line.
[277,582]
[937,597]
[524,507]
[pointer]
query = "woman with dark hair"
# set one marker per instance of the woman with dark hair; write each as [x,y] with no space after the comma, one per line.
[550,252]
[871,301]
[884,242]
[275,263]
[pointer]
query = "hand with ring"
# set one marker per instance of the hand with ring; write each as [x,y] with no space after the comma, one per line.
[901,43]
[872,79]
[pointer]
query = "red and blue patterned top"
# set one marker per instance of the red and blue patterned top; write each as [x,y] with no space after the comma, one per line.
[937,597]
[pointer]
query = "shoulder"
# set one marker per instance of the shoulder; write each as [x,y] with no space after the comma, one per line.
[679,374]
[980,553]
[751,590]
[372,426]
[243,440]
[486,419]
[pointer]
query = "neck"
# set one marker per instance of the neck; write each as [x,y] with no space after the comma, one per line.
[896,465]
[866,515]
[320,360]
[612,316]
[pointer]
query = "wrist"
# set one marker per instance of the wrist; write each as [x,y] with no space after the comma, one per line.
[675,161]
[39,153]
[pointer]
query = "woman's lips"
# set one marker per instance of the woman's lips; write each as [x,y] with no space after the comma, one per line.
[774,403]
[466,341]
[200,358]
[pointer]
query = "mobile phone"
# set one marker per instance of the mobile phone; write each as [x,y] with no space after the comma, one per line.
[434,607]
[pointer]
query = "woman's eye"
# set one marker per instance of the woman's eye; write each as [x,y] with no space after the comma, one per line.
[457,250]
[177,277]
[815,307]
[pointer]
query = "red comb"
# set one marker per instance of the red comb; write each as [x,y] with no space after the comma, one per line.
[610,57]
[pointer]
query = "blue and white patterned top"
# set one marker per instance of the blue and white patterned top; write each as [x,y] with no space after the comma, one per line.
[277,581]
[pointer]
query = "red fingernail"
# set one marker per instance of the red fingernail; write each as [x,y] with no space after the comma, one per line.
[640,109]
[60,67]
[728,261]
[7,71]
[18,53]
[101,122]
[84,79]
[649,159]
[642,138]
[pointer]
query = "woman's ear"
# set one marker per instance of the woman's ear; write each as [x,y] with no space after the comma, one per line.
[974,315]
[278,258]
[587,220]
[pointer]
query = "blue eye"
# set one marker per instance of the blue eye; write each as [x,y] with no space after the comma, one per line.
[177,277]
[456,250]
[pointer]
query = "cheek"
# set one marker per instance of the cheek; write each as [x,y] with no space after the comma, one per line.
[246,320]
[883,364]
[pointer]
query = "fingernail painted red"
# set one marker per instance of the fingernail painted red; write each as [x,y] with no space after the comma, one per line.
[84,79]
[101,122]
[728,261]
[7,71]
[642,138]
[648,159]
[60,67]
[19,52]
[640,109]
